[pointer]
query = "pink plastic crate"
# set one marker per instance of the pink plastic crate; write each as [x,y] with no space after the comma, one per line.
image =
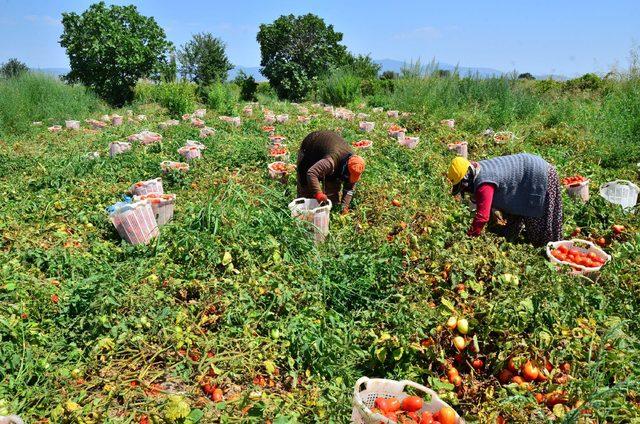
[162,205]
[136,223]
[147,187]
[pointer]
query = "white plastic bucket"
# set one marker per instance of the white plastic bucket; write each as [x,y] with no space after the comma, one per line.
[116,120]
[363,144]
[311,211]
[392,113]
[72,125]
[162,206]
[377,110]
[247,111]
[200,113]
[620,192]
[118,147]
[363,399]
[54,128]
[303,119]
[367,126]
[281,119]
[579,191]
[197,122]
[142,188]
[276,173]
[461,148]
[136,222]
[270,119]
[193,143]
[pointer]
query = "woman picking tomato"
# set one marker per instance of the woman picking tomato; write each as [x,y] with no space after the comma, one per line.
[326,159]
[523,187]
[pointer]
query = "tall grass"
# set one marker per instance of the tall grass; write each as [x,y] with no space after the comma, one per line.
[178,97]
[340,88]
[39,97]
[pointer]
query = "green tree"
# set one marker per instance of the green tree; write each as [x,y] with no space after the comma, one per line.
[296,51]
[526,76]
[248,86]
[111,47]
[203,59]
[389,75]
[361,66]
[13,68]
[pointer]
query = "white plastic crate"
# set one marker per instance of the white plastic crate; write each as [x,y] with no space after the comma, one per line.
[147,187]
[162,206]
[116,120]
[118,147]
[270,119]
[409,142]
[135,222]
[190,152]
[620,192]
[579,245]
[363,399]
[448,122]
[72,125]
[200,113]
[276,173]
[311,211]
[392,113]
[461,148]
[197,122]
[277,139]
[579,190]
[206,132]
[367,126]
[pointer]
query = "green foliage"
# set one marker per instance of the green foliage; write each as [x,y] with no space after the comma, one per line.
[38,97]
[296,51]
[586,82]
[110,48]
[222,97]
[248,86]
[203,60]
[339,88]
[13,68]
[361,66]
[178,97]
[389,75]
[526,76]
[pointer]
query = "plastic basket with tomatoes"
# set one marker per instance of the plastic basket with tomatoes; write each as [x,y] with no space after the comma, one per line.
[387,401]
[572,253]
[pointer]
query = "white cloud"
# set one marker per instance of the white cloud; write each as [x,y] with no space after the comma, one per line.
[43,19]
[422,33]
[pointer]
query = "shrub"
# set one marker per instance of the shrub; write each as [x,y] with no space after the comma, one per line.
[339,88]
[203,60]
[248,86]
[222,97]
[110,48]
[178,97]
[585,82]
[361,66]
[389,75]
[39,97]
[265,92]
[296,51]
[13,68]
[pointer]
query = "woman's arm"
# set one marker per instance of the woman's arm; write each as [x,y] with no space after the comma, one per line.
[318,172]
[484,198]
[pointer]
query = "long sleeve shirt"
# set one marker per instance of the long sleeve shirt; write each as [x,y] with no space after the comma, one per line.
[321,170]
[484,199]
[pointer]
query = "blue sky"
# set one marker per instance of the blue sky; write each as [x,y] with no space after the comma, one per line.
[566,37]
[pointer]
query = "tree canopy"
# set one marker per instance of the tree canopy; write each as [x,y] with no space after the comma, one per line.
[111,47]
[203,59]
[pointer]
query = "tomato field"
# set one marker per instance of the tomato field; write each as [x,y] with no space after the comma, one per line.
[234,314]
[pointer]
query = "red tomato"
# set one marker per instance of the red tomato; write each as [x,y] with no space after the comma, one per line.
[426,418]
[394,404]
[382,404]
[391,415]
[477,363]
[446,415]
[529,371]
[563,249]
[412,403]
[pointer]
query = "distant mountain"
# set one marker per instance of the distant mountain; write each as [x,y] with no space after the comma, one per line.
[53,71]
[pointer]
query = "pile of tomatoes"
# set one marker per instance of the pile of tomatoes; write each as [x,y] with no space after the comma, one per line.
[362,143]
[573,181]
[408,411]
[530,372]
[212,391]
[396,128]
[268,128]
[577,257]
